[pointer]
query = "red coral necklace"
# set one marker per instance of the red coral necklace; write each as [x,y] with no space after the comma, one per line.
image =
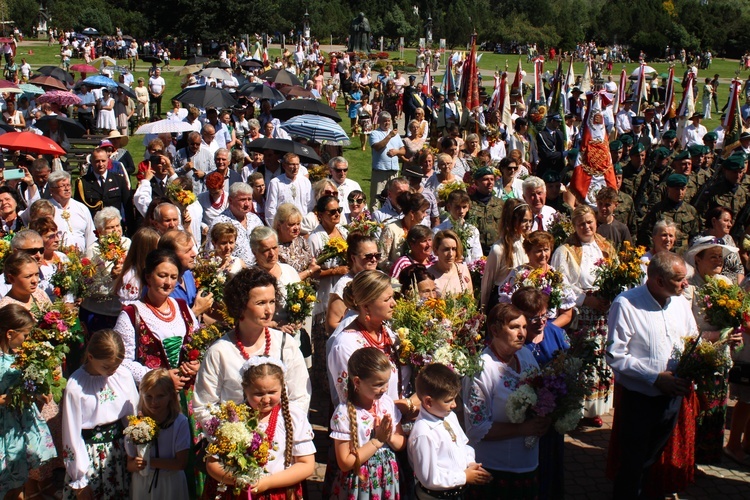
[241,347]
[170,314]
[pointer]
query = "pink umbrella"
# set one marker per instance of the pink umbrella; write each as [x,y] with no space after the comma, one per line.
[84,68]
[59,97]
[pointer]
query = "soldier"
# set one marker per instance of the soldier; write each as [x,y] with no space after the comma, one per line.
[681,164]
[650,193]
[669,140]
[486,209]
[673,206]
[727,190]
[625,211]
[709,140]
[633,171]
[700,171]
[555,199]
[627,144]
[639,134]
[615,150]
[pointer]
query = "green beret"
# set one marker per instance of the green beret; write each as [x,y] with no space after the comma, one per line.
[551,177]
[573,154]
[615,145]
[682,155]
[481,172]
[734,163]
[697,150]
[662,152]
[626,139]
[637,149]
[618,169]
[670,134]
[677,180]
[739,152]
[711,136]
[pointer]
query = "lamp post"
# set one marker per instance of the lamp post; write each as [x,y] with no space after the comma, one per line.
[306,31]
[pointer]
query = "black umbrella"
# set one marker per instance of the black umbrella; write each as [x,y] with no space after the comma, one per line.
[218,64]
[72,128]
[90,31]
[306,153]
[280,76]
[206,97]
[260,91]
[55,72]
[196,60]
[290,109]
[150,59]
[251,64]
[127,90]
[7,128]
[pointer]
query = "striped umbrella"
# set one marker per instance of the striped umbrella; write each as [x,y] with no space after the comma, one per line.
[316,128]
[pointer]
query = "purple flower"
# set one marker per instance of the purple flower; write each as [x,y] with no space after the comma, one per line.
[257,440]
[545,402]
[211,425]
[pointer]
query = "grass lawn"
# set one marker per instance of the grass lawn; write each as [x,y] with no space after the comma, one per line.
[359,160]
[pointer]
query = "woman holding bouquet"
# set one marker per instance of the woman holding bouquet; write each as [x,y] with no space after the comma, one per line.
[293,247]
[498,443]
[47,229]
[21,272]
[414,207]
[450,273]
[577,259]
[707,257]
[718,224]
[538,247]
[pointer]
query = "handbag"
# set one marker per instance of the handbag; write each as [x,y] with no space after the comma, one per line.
[740,374]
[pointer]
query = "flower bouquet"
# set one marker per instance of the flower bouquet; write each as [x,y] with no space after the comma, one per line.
[444,190]
[364,224]
[300,299]
[5,250]
[334,248]
[556,391]
[615,275]
[111,249]
[42,354]
[561,228]
[180,197]
[67,278]
[141,431]
[701,359]
[476,271]
[446,331]
[463,231]
[209,276]
[199,341]
[317,173]
[723,304]
[234,438]
[550,282]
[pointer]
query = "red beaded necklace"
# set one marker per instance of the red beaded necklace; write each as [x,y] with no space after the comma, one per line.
[169,316]
[218,204]
[271,429]
[241,347]
[383,344]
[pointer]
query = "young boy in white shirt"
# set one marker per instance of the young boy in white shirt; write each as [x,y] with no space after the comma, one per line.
[439,452]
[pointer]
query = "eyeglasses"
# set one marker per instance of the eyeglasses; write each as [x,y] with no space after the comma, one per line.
[341,170]
[356,201]
[512,169]
[370,256]
[334,211]
[330,193]
[32,251]
[195,143]
[538,319]
[49,236]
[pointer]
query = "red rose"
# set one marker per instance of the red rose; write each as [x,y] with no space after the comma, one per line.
[194,354]
[85,261]
[153,362]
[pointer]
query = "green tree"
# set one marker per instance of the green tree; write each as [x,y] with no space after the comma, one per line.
[24,13]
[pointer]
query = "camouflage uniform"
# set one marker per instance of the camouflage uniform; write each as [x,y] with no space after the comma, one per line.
[730,196]
[631,179]
[486,218]
[625,212]
[683,214]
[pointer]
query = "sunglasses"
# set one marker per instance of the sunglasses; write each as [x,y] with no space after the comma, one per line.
[341,170]
[370,256]
[357,201]
[32,251]
[335,211]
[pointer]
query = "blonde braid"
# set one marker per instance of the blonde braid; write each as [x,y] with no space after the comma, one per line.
[354,442]
[289,427]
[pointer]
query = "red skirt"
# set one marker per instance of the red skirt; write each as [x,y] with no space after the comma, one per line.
[210,493]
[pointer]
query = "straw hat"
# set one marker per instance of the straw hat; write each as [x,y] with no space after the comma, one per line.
[704,243]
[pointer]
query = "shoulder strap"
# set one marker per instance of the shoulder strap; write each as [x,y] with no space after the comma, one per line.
[283,342]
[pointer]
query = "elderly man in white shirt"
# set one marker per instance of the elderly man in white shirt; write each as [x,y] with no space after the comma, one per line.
[646,328]
[535,194]
[338,167]
[289,187]
[77,217]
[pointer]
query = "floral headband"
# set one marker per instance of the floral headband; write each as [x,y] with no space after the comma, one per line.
[262,360]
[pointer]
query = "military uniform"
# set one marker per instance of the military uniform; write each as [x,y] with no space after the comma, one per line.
[486,218]
[683,214]
[625,212]
[726,194]
[631,179]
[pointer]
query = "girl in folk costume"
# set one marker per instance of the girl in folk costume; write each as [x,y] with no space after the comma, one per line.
[366,431]
[577,260]
[98,398]
[596,169]
[164,475]
[290,436]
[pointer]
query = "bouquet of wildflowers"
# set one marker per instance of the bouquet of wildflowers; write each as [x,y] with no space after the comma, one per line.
[334,248]
[42,354]
[5,249]
[556,391]
[180,197]
[234,438]
[364,224]
[444,190]
[701,359]
[446,331]
[111,249]
[199,341]
[548,281]
[561,228]
[463,231]
[476,271]
[141,431]
[615,275]
[67,278]
[724,305]
[300,299]
[209,276]
[317,173]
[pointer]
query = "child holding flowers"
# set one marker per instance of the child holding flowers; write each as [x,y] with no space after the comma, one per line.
[25,440]
[98,398]
[162,474]
[366,431]
[288,438]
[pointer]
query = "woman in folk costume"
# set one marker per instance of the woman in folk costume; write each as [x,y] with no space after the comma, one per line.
[595,169]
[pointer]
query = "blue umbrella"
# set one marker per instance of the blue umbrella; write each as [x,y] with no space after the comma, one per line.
[316,128]
[100,81]
[31,89]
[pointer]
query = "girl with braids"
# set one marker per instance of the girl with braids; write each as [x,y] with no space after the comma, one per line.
[169,455]
[366,431]
[290,435]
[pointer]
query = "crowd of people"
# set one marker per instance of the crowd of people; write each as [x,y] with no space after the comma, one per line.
[461,191]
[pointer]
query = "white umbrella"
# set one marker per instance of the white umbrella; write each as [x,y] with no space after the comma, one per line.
[648,69]
[107,61]
[164,127]
[216,73]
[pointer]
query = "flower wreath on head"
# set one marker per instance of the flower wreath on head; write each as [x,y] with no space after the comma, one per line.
[262,360]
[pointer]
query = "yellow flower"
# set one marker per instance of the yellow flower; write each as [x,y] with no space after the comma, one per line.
[310,298]
[301,294]
[296,308]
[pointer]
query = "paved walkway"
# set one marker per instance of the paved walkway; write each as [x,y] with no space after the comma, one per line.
[585,459]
